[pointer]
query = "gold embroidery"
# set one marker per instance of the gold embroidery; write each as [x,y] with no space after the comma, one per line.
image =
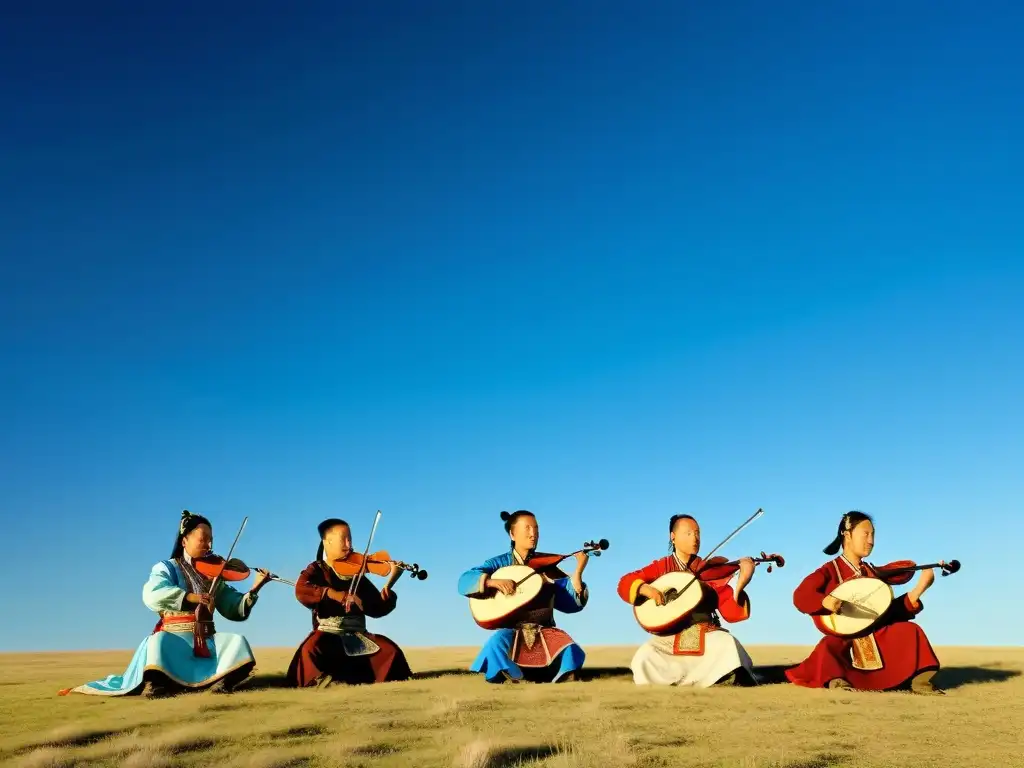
[689,640]
[530,634]
[865,655]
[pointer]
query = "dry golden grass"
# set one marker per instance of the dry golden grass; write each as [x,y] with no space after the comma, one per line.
[458,721]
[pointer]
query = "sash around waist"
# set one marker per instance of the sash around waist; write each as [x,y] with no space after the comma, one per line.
[341,624]
[182,622]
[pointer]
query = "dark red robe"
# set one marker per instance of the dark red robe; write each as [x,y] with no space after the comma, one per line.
[326,652]
[884,660]
[718,598]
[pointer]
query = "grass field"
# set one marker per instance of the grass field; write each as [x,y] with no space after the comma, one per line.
[446,717]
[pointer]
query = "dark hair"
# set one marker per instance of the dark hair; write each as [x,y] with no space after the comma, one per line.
[323,528]
[672,526]
[189,523]
[511,517]
[850,521]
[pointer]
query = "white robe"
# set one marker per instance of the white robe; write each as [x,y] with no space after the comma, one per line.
[655,664]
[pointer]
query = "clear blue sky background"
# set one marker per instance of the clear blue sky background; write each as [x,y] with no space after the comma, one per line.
[445,259]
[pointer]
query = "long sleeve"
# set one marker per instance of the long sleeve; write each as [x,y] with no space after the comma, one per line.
[567,600]
[901,609]
[629,585]
[471,583]
[375,607]
[161,591]
[733,609]
[311,587]
[232,604]
[811,591]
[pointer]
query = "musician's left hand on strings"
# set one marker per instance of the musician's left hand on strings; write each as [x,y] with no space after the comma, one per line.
[581,561]
[262,577]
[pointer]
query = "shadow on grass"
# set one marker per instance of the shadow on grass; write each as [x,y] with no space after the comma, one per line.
[436,673]
[824,760]
[955,677]
[507,757]
[774,674]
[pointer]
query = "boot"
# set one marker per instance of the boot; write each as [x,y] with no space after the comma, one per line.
[840,684]
[922,684]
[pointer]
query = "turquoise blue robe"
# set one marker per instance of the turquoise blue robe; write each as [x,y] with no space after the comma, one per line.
[170,652]
[494,658]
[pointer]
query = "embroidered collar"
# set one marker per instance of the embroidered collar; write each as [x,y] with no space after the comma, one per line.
[517,558]
[857,569]
[680,563]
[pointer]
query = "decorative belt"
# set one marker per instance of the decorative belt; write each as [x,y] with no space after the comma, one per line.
[339,625]
[183,623]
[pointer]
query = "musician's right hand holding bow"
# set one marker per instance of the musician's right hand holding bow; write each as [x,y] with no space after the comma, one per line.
[200,598]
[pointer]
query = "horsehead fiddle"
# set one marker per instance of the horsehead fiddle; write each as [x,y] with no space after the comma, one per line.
[495,610]
[356,565]
[667,618]
[217,568]
[863,600]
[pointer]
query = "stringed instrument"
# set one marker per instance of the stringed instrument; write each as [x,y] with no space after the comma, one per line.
[865,599]
[234,569]
[378,563]
[499,610]
[685,590]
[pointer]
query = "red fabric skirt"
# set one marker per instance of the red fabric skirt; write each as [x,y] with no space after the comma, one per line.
[323,653]
[903,647]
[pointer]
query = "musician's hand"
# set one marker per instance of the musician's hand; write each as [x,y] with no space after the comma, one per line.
[200,599]
[505,586]
[262,577]
[831,604]
[353,598]
[746,571]
[652,594]
[926,579]
[581,561]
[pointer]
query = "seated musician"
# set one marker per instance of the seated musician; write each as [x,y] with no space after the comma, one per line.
[339,649]
[703,653]
[531,646]
[891,657]
[179,656]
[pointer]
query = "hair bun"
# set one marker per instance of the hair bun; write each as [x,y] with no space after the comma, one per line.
[185,514]
[506,516]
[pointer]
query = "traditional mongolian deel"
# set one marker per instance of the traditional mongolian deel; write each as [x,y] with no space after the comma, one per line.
[532,641]
[883,660]
[703,652]
[339,648]
[167,654]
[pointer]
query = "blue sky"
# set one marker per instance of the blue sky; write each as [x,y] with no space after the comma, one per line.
[452,258]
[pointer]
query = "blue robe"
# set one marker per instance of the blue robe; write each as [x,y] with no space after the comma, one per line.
[494,658]
[170,652]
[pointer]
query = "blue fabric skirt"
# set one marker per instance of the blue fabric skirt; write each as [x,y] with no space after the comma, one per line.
[493,659]
[170,653]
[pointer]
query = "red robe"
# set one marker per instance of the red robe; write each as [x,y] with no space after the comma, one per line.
[325,652]
[883,660]
[718,598]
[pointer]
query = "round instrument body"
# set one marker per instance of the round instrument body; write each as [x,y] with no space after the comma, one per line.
[495,611]
[682,593]
[865,599]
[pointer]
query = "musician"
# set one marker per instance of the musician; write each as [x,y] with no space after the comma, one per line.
[893,656]
[167,662]
[532,647]
[339,649]
[702,653]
